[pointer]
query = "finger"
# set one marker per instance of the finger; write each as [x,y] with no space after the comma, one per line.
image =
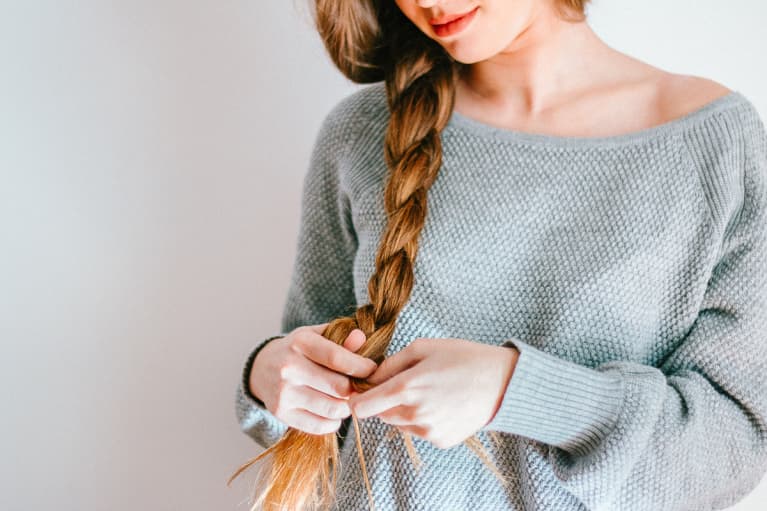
[355,340]
[319,328]
[382,397]
[395,364]
[418,431]
[310,423]
[318,403]
[333,356]
[322,379]
[398,416]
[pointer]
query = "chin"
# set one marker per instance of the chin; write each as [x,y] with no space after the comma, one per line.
[467,53]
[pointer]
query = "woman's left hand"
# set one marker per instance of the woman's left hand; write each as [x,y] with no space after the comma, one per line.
[442,390]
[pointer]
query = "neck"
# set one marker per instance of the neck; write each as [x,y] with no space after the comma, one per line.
[549,59]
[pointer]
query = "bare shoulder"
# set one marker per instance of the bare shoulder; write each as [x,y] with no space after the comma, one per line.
[679,94]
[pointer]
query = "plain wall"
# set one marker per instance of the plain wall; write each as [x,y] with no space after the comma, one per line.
[151,158]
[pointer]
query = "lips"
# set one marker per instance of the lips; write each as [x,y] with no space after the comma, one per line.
[456,23]
[443,20]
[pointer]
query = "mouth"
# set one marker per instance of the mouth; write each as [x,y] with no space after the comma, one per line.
[452,24]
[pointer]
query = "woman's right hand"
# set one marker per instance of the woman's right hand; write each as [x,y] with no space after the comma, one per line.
[303,378]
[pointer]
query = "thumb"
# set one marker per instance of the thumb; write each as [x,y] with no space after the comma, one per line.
[355,340]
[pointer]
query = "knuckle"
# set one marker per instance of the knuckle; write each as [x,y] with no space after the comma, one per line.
[284,371]
[342,387]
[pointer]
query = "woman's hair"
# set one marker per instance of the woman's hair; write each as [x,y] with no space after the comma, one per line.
[370,41]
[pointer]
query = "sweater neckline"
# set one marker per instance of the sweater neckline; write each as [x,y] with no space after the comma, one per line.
[541,139]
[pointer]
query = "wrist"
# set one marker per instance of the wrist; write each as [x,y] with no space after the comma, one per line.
[248,369]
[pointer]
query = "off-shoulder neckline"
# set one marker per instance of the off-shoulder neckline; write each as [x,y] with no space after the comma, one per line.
[675,125]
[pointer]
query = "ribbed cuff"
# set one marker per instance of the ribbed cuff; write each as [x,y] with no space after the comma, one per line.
[557,402]
[254,418]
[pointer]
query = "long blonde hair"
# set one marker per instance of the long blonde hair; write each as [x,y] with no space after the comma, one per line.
[370,41]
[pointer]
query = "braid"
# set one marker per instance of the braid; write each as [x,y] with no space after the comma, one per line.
[420,87]
[421,94]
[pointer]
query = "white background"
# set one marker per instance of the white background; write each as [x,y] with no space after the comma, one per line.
[151,157]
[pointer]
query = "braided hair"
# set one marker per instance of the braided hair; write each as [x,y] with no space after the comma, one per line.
[370,41]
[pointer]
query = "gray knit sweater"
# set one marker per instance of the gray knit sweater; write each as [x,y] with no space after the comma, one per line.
[630,271]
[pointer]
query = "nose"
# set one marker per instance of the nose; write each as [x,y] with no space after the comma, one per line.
[426,3]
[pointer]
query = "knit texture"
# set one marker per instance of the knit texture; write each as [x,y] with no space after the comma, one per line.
[630,271]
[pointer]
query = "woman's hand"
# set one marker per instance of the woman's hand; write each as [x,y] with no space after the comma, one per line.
[442,390]
[303,378]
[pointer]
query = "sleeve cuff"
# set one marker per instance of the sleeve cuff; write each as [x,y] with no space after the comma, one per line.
[557,402]
[245,382]
[254,419]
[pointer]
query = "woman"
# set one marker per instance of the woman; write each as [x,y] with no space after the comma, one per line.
[588,284]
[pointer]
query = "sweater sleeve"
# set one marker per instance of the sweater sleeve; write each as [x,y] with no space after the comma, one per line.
[321,286]
[690,434]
